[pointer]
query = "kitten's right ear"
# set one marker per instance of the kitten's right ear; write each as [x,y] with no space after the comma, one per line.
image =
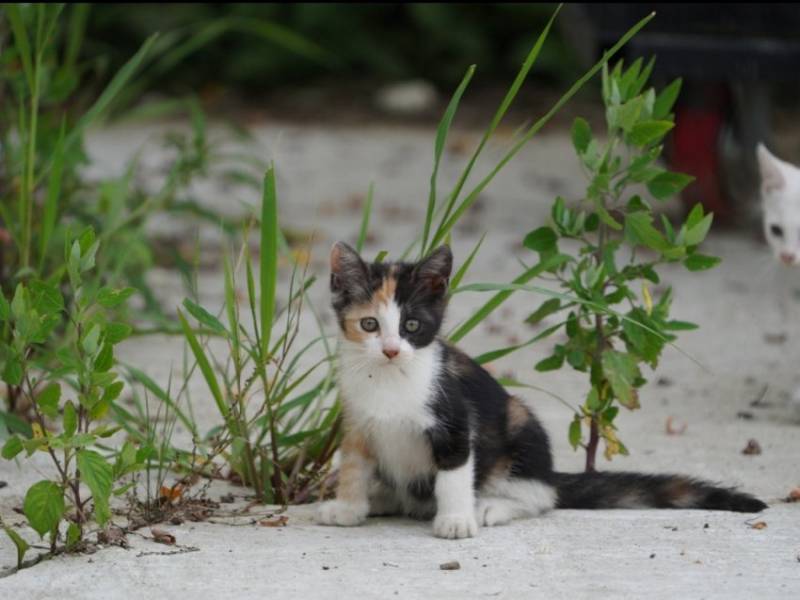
[772,177]
[346,266]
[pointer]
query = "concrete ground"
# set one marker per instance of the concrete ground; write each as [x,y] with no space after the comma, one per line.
[747,349]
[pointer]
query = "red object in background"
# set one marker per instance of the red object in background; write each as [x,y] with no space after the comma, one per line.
[695,151]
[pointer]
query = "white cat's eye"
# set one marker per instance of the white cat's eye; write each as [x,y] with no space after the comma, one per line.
[776,230]
[411,325]
[369,324]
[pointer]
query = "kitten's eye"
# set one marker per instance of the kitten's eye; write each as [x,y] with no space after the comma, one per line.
[776,230]
[369,324]
[411,325]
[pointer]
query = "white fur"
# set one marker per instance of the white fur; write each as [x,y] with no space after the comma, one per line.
[780,195]
[455,502]
[388,401]
[504,499]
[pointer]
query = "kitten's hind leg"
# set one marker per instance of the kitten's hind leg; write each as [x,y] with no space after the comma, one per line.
[503,499]
[383,499]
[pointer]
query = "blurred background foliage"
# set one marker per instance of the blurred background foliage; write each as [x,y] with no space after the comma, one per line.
[259,46]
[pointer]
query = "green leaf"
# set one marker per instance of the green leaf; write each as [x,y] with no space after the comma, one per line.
[91,340]
[204,317]
[12,373]
[113,391]
[362,232]
[575,432]
[5,308]
[21,545]
[581,135]
[205,367]
[45,299]
[666,99]
[109,298]
[551,363]
[547,308]
[44,506]
[439,144]
[97,474]
[668,184]
[639,230]
[70,419]
[645,133]
[268,260]
[105,359]
[680,326]
[12,447]
[697,233]
[701,262]
[622,372]
[47,400]
[541,240]
[117,332]
[73,535]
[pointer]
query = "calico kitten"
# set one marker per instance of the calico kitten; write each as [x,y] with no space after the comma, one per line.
[429,433]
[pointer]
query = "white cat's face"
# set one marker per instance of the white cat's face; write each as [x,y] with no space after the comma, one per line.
[780,197]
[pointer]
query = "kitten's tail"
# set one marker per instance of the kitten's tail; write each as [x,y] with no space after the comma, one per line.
[636,490]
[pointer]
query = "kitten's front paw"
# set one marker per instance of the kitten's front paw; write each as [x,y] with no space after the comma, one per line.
[344,514]
[494,511]
[455,526]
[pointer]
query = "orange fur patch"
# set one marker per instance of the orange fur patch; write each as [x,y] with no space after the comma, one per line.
[385,294]
[518,414]
[356,459]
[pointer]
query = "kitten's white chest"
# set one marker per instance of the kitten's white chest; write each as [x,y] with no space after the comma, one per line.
[390,405]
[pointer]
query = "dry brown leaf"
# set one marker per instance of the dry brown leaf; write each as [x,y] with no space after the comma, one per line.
[171,494]
[162,537]
[672,430]
[276,522]
[758,525]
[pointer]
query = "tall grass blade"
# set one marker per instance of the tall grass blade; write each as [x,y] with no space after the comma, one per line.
[438,148]
[445,227]
[269,259]
[502,295]
[53,194]
[527,65]
[362,233]
[462,270]
[205,368]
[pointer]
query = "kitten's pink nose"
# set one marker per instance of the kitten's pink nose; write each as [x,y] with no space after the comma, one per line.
[390,353]
[788,258]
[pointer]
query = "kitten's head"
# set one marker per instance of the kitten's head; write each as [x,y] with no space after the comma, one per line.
[389,310]
[780,196]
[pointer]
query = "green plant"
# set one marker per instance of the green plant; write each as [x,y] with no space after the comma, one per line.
[45,112]
[83,363]
[275,438]
[621,244]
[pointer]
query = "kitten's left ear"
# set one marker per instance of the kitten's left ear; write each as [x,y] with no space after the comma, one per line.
[772,177]
[435,269]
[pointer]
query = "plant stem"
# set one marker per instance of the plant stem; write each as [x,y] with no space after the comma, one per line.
[591,448]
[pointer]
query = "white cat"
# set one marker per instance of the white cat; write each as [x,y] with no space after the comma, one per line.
[780,201]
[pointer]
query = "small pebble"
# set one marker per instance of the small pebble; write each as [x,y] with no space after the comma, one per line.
[452,565]
[752,448]
[653,555]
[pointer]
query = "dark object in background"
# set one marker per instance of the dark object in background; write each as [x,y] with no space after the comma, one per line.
[729,56]
[3,484]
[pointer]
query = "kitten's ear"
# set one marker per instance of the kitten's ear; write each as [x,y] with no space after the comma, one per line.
[346,267]
[435,269]
[772,177]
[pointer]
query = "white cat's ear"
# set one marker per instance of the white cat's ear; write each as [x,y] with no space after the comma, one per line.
[772,177]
